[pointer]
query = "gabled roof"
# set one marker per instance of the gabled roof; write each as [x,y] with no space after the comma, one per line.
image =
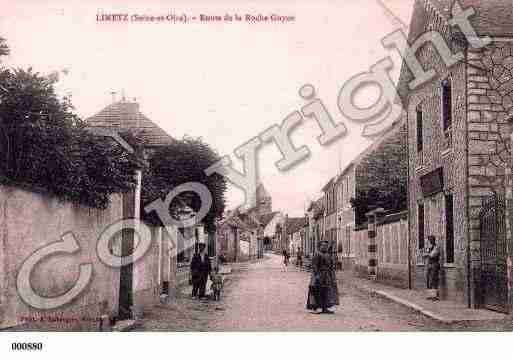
[124,115]
[295,224]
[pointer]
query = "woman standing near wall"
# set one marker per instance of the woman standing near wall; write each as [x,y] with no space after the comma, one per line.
[433,268]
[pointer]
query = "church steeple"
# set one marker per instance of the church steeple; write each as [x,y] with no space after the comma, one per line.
[264,200]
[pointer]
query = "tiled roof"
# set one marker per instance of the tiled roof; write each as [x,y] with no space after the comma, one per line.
[125,115]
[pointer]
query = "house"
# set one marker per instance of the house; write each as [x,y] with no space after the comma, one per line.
[270,223]
[459,153]
[345,189]
[126,115]
[251,239]
[239,236]
[330,215]
[375,178]
[227,238]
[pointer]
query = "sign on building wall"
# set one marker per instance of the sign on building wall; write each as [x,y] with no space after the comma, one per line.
[432,182]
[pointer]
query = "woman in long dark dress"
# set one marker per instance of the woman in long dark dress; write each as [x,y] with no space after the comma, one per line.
[323,289]
[433,268]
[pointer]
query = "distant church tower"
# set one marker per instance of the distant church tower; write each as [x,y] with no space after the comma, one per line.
[264,201]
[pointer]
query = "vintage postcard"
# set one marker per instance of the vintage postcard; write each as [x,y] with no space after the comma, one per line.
[243,166]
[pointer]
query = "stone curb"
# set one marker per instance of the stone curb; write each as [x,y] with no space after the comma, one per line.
[414,307]
[408,304]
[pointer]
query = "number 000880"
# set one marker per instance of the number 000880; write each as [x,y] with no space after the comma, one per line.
[27,346]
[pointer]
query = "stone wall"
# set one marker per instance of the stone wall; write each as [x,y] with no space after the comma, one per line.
[490,110]
[156,267]
[392,251]
[30,221]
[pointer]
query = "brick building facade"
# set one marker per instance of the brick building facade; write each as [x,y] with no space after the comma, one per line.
[458,142]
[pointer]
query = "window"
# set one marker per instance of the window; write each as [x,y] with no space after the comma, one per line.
[449,229]
[420,216]
[348,195]
[348,238]
[446,104]
[420,141]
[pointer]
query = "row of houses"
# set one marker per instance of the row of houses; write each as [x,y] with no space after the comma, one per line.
[244,234]
[443,170]
[339,213]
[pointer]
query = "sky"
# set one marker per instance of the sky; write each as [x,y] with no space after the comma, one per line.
[225,82]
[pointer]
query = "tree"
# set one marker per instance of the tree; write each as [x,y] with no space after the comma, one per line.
[382,177]
[45,146]
[4,48]
[393,199]
[178,163]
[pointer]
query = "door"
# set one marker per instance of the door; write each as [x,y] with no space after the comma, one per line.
[493,255]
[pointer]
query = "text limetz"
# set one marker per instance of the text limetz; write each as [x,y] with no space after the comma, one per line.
[112,17]
[141,18]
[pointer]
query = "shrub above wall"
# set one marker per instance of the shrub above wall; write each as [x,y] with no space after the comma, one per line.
[45,146]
